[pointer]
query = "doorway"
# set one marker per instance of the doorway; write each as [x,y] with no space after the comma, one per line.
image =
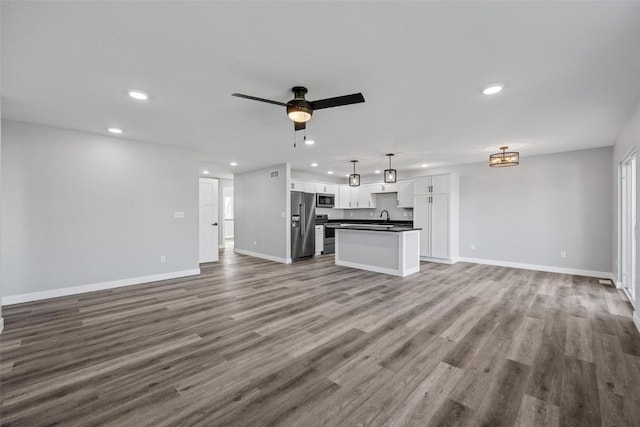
[208,224]
[628,219]
[227,197]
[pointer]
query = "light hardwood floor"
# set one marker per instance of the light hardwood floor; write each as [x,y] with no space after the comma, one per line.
[251,343]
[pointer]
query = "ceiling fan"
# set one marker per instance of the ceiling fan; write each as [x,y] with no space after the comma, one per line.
[300,110]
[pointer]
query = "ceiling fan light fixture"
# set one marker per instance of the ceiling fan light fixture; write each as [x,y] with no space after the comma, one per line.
[390,175]
[299,110]
[504,159]
[354,178]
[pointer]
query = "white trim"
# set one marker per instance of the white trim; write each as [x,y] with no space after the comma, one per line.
[1,324]
[263,256]
[61,292]
[549,268]
[377,269]
[636,319]
[440,260]
[618,285]
[220,246]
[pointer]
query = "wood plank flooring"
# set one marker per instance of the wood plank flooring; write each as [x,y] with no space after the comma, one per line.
[255,343]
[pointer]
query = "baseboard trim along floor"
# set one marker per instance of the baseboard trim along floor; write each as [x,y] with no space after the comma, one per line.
[547,268]
[61,292]
[263,256]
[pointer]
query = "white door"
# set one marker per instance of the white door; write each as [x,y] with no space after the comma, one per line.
[208,220]
[421,220]
[440,226]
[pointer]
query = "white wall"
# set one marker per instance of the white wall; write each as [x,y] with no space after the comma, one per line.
[530,213]
[628,140]
[262,214]
[81,209]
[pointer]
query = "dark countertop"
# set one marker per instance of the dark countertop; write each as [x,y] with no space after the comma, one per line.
[370,221]
[348,225]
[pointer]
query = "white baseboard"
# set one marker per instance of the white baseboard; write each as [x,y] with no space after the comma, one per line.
[440,260]
[1,324]
[263,256]
[61,292]
[549,268]
[636,320]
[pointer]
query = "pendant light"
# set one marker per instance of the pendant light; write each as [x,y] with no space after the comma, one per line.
[390,175]
[504,159]
[354,178]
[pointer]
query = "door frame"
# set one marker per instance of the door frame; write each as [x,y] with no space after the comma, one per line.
[626,219]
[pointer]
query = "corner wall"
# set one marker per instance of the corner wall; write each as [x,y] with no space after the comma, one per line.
[81,211]
[526,215]
[261,212]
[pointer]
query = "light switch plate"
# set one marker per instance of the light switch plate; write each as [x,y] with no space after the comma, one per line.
[178,214]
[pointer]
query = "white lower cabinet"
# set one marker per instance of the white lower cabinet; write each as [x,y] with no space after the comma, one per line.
[437,215]
[319,239]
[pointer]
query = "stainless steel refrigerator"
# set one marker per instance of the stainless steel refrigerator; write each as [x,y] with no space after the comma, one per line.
[303,225]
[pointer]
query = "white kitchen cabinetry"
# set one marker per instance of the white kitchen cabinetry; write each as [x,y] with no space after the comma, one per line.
[437,214]
[365,197]
[309,187]
[383,187]
[327,189]
[344,197]
[296,185]
[433,184]
[405,194]
[319,239]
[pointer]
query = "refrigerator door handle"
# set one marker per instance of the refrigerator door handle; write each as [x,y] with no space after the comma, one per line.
[303,220]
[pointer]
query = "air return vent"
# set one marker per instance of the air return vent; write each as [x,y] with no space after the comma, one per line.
[274,174]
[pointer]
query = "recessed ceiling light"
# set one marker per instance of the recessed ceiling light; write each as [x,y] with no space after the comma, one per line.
[424,165]
[309,141]
[206,172]
[330,172]
[493,89]
[376,171]
[139,94]
[233,164]
[314,164]
[115,130]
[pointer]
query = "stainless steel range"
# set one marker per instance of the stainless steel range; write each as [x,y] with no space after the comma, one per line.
[329,235]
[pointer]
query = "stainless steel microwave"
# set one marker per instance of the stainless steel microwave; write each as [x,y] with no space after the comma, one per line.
[324,200]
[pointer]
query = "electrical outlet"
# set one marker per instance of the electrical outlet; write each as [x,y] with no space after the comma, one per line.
[410,214]
[178,214]
[563,254]
[404,214]
[351,213]
[163,258]
[473,247]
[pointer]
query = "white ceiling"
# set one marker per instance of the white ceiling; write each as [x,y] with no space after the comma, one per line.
[571,72]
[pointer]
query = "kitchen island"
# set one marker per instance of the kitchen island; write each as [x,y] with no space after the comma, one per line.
[388,249]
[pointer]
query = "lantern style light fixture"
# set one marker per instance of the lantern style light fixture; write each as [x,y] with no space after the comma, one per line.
[390,175]
[504,159]
[354,178]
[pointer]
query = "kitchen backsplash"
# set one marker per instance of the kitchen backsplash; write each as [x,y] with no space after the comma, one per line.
[388,201]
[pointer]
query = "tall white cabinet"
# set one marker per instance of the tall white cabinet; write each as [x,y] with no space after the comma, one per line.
[435,210]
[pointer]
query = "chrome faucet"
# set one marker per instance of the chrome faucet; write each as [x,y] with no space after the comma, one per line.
[383,211]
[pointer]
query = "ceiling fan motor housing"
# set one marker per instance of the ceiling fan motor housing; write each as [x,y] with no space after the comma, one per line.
[299,104]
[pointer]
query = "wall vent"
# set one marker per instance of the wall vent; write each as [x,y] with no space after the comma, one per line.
[274,174]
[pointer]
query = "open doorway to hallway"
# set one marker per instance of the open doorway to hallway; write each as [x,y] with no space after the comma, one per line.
[628,220]
[227,197]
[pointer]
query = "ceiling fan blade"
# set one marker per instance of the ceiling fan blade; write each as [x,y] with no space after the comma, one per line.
[239,95]
[299,125]
[354,98]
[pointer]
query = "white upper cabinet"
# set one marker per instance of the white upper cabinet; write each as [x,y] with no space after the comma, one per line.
[327,188]
[405,194]
[433,184]
[365,197]
[383,187]
[296,185]
[344,197]
[309,187]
